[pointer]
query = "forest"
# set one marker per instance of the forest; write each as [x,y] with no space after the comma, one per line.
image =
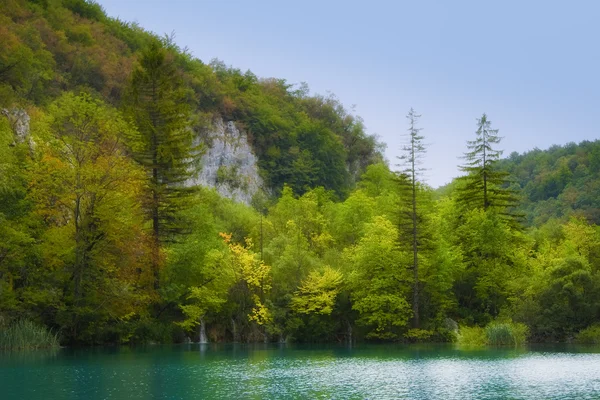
[103,242]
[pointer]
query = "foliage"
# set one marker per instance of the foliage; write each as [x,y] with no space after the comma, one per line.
[472,336]
[411,221]
[484,186]
[505,333]
[86,191]
[559,183]
[496,333]
[492,257]
[163,147]
[379,283]
[317,293]
[103,239]
[589,335]
[418,335]
[561,294]
[26,335]
[253,279]
[301,140]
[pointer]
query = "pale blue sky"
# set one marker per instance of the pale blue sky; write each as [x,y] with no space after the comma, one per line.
[532,66]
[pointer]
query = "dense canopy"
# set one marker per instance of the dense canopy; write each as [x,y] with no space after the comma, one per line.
[103,241]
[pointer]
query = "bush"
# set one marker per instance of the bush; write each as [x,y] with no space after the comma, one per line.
[418,335]
[495,334]
[589,335]
[148,331]
[25,334]
[471,336]
[444,335]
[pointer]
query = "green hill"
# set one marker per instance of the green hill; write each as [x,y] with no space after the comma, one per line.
[53,46]
[560,182]
[104,240]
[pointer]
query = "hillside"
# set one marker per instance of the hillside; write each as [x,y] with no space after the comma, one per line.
[106,236]
[53,46]
[560,182]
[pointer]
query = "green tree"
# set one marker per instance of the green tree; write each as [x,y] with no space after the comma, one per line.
[86,190]
[493,257]
[379,289]
[157,102]
[411,161]
[317,293]
[484,185]
[253,282]
[17,224]
[560,294]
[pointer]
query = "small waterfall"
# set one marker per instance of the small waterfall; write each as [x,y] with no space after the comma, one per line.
[203,338]
[236,335]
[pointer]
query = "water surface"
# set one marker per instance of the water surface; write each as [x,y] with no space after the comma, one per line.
[301,372]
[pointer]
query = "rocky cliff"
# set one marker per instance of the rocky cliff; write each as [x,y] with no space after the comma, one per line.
[19,123]
[228,163]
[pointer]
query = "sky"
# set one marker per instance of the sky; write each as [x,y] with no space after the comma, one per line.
[532,66]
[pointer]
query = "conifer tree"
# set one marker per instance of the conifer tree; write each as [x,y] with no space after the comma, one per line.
[484,186]
[164,147]
[486,229]
[409,182]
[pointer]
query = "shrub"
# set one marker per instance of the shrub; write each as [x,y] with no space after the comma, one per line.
[471,336]
[506,333]
[590,335]
[147,331]
[418,335]
[25,334]
[444,335]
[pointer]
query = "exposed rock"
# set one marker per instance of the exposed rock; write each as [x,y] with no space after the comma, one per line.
[19,123]
[451,325]
[229,164]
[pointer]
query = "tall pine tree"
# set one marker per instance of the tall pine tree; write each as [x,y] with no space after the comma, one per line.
[164,147]
[410,220]
[484,186]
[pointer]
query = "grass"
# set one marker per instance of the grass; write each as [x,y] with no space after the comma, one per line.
[506,334]
[494,334]
[27,335]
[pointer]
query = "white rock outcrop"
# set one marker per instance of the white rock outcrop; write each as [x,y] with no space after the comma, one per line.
[19,123]
[228,163]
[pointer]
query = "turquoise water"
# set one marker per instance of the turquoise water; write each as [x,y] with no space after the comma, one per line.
[296,372]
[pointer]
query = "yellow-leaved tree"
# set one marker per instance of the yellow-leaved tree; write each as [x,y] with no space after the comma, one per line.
[239,278]
[318,292]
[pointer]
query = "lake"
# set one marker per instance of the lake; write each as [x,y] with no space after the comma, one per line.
[302,372]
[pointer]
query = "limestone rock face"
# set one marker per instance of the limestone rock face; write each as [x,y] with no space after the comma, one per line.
[228,163]
[19,122]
